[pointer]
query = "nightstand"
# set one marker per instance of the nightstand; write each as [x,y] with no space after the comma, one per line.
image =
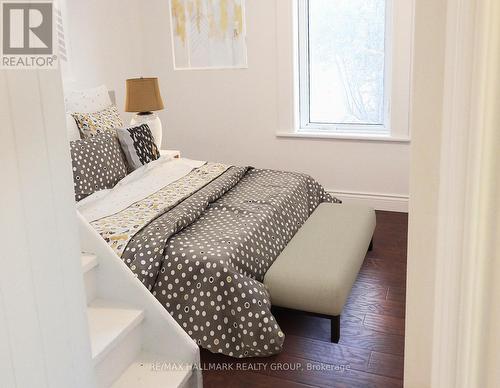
[175,154]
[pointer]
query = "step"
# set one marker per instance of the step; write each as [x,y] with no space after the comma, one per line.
[89,261]
[89,265]
[115,336]
[148,371]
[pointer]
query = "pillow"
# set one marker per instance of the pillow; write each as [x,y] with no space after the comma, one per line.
[88,100]
[98,164]
[84,101]
[138,145]
[72,128]
[91,124]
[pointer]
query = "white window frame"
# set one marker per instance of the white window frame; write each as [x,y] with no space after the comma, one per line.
[397,79]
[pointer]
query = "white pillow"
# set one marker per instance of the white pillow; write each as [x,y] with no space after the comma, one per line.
[72,128]
[88,100]
[84,101]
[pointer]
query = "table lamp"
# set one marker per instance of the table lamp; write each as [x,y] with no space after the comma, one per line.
[143,97]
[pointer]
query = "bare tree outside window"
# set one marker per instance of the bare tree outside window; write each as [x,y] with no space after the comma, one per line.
[347,61]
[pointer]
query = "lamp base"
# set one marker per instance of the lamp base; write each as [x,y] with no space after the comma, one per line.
[154,124]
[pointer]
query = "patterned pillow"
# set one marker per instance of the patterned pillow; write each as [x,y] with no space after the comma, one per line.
[91,124]
[98,164]
[138,145]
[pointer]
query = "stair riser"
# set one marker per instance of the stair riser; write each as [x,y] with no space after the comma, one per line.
[90,282]
[119,358]
[141,375]
[191,380]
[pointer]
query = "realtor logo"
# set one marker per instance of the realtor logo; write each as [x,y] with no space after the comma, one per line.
[27,35]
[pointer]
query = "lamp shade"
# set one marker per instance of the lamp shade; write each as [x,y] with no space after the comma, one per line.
[143,95]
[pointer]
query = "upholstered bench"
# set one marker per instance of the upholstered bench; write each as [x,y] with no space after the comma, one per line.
[318,267]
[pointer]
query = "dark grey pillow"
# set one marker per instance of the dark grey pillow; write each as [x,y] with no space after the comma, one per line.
[98,164]
[138,145]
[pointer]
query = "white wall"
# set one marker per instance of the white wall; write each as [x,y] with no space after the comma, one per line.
[44,339]
[105,44]
[233,115]
[229,115]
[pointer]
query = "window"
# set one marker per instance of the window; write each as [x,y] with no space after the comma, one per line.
[350,81]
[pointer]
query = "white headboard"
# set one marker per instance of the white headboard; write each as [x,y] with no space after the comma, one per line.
[85,101]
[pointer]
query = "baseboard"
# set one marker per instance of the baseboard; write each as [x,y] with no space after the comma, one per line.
[388,202]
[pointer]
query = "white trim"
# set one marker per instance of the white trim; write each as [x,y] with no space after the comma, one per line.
[397,75]
[303,61]
[403,15]
[304,80]
[287,45]
[465,264]
[387,202]
[343,136]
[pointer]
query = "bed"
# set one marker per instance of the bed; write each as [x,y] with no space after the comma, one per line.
[200,236]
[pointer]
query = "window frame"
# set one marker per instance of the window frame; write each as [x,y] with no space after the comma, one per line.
[397,78]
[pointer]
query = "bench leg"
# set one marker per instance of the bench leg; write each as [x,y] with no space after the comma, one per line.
[370,247]
[335,323]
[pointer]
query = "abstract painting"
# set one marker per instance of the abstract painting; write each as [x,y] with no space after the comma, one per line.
[208,34]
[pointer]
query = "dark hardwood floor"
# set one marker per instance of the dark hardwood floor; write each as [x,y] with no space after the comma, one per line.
[371,348]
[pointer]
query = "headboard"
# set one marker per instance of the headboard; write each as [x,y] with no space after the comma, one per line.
[85,101]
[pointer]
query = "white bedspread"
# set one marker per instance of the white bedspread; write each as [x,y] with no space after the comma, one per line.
[136,186]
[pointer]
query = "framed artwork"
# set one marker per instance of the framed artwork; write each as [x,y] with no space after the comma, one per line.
[208,34]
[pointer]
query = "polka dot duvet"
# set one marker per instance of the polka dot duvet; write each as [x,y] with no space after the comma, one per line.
[203,252]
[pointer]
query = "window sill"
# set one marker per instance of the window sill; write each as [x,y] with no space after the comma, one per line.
[343,136]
